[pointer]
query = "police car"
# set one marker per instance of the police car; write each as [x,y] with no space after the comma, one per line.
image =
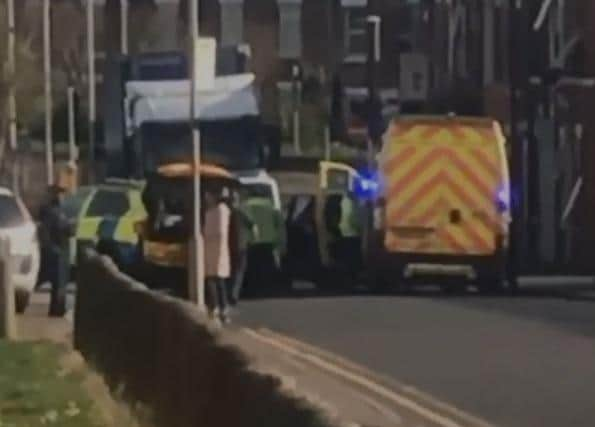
[106,217]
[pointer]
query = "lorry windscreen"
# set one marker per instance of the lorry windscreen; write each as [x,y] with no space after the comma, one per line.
[232,144]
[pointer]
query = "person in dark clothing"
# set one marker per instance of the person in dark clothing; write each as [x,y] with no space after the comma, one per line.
[241,230]
[56,229]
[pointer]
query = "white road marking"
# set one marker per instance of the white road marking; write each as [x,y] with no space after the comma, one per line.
[366,383]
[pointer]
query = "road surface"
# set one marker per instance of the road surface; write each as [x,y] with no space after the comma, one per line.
[514,361]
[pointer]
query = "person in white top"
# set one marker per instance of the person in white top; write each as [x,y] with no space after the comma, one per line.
[217,255]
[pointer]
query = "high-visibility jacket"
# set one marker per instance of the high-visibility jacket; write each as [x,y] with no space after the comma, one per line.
[268,221]
[349,223]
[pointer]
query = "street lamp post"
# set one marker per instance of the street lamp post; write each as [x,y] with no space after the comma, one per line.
[47,71]
[91,81]
[124,26]
[71,97]
[12,105]
[195,273]
[297,95]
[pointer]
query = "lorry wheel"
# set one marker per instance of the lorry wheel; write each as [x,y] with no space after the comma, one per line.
[21,301]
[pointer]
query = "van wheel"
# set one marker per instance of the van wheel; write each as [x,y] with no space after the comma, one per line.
[453,289]
[21,301]
[491,284]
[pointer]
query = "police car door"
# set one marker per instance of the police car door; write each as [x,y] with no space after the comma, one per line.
[335,181]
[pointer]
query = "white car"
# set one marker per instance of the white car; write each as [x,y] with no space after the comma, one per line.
[18,226]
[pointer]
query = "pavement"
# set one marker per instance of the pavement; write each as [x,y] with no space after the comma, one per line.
[513,361]
[36,325]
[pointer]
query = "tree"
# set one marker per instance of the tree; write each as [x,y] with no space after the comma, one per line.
[27,80]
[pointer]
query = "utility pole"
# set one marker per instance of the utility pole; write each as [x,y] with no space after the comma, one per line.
[12,104]
[91,81]
[517,235]
[47,70]
[330,75]
[195,274]
[297,98]
[124,26]
[72,157]
[8,328]
[373,58]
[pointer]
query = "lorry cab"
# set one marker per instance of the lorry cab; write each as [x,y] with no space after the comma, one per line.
[311,196]
[446,202]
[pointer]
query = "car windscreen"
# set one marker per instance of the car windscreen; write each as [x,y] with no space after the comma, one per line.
[11,214]
[232,144]
[108,203]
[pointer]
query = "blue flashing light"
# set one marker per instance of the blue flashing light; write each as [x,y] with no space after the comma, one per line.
[367,185]
[503,199]
[503,196]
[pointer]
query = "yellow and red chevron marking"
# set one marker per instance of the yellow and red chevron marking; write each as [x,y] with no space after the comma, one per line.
[453,134]
[424,182]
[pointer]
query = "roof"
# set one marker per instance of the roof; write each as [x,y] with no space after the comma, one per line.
[181,170]
[442,119]
[169,101]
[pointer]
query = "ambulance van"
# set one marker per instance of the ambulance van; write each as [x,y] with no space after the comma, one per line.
[444,212]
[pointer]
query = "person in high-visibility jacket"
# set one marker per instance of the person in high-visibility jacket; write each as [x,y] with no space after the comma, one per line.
[345,229]
[267,242]
[116,238]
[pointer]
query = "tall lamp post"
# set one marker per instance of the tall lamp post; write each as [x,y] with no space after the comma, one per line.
[12,105]
[47,71]
[91,81]
[124,26]
[195,273]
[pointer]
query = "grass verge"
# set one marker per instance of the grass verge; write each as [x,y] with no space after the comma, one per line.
[35,390]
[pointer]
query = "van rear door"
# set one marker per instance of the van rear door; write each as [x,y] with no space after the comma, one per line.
[444,178]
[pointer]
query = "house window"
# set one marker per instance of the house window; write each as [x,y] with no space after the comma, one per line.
[355,38]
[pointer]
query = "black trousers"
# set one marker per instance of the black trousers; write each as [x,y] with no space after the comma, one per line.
[216,291]
[58,269]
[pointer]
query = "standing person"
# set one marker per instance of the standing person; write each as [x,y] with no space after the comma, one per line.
[217,254]
[350,229]
[56,231]
[242,230]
